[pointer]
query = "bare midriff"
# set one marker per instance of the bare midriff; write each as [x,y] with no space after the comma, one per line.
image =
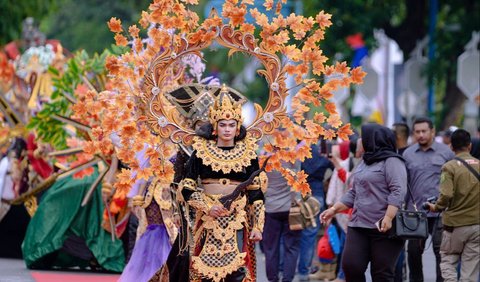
[218,189]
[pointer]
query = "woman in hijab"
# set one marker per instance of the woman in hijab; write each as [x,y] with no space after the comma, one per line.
[379,187]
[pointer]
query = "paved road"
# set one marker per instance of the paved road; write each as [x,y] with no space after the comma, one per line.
[13,270]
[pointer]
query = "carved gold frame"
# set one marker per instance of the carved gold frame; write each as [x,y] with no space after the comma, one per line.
[167,123]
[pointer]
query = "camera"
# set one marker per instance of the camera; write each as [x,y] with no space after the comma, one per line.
[430,200]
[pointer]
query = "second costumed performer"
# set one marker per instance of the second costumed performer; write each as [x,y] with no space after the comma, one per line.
[224,156]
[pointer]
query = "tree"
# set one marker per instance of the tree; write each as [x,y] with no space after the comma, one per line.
[77,24]
[406,22]
[83,24]
[13,12]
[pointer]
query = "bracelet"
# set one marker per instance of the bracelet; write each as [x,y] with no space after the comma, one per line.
[138,200]
[334,209]
[107,187]
[255,229]
[106,190]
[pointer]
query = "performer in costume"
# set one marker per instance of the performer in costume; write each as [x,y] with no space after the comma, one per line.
[157,213]
[20,171]
[193,101]
[156,232]
[76,237]
[13,218]
[224,157]
[178,260]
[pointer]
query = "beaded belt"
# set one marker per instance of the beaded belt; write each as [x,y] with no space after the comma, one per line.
[221,181]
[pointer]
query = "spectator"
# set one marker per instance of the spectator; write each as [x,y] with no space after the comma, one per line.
[315,167]
[447,134]
[402,132]
[424,161]
[336,189]
[278,200]
[379,187]
[475,151]
[460,201]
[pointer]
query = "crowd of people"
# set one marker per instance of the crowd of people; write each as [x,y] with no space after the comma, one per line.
[223,203]
[368,184]
[358,184]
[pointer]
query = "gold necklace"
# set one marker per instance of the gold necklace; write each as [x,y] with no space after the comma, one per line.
[235,159]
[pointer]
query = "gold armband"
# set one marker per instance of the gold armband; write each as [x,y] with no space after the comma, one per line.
[31,205]
[258,215]
[107,188]
[197,202]
[259,182]
[138,200]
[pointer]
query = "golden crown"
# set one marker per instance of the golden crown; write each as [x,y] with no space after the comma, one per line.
[225,107]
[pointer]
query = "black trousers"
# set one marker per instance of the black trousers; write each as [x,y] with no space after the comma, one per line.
[365,245]
[276,226]
[416,248]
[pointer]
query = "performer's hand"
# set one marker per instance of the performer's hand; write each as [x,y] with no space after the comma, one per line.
[255,235]
[217,210]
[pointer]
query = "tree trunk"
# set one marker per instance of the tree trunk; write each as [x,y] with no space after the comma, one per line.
[412,29]
[453,104]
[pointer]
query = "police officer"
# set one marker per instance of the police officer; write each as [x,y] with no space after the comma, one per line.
[460,201]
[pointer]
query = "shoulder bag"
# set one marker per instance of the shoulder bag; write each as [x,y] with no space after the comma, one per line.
[303,213]
[469,167]
[409,225]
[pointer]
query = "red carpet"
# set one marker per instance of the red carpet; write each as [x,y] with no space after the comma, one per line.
[73,277]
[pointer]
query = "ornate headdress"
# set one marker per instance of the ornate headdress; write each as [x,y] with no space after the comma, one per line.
[194,101]
[225,108]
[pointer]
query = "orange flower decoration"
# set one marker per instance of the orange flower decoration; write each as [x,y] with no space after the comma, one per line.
[133,30]
[121,40]
[115,25]
[295,38]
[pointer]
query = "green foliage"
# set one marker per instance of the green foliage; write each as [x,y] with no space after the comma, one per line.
[406,22]
[351,17]
[13,12]
[455,24]
[80,66]
[77,24]
[83,24]
[229,68]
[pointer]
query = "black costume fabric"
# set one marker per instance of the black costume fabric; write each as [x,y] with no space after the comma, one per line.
[379,143]
[178,261]
[214,258]
[195,169]
[13,228]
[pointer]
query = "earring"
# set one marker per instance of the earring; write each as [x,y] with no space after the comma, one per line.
[214,132]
